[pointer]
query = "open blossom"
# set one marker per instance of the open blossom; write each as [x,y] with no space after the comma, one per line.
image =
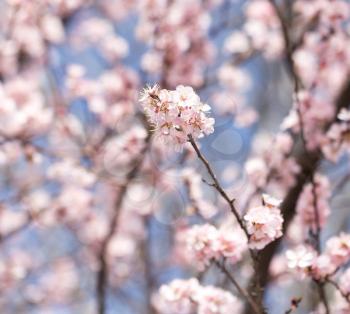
[177,114]
[301,258]
[305,261]
[264,224]
[204,243]
[306,204]
[322,267]
[338,249]
[176,297]
[188,296]
[212,300]
[231,244]
[201,243]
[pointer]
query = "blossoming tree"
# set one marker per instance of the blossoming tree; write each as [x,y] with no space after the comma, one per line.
[175,156]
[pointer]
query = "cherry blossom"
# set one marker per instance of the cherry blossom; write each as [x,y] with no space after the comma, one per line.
[264,225]
[177,114]
[187,296]
[338,249]
[206,243]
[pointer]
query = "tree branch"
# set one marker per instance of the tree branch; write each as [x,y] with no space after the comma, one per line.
[308,162]
[242,291]
[254,256]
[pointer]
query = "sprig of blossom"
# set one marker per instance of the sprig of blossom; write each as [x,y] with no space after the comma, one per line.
[264,223]
[177,114]
[338,249]
[306,261]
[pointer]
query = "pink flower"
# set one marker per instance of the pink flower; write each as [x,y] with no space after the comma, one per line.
[338,249]
[305,261]
[231,244]
[188,296]
[301,259]
[212,300]
[322,267]
[264,224]
[201,244]
[177,114]
[204,243]
[176,297]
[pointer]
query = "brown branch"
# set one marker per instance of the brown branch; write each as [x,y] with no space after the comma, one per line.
[218,187]
[322,294]
[345,295]
[242,291]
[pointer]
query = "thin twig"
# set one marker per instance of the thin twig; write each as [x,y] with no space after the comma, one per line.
[322,294]
[241,290]
[218,187]
[230,202]
[345,295]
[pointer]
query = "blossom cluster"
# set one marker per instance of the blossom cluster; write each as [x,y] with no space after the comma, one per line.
[177,114]
[264,223]
[188,296]
[206,243]
[307,262]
